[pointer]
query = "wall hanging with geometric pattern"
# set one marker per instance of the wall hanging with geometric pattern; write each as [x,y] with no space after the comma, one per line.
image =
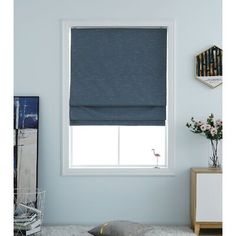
[209,66]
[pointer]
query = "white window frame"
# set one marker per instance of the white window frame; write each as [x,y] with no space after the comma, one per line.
[67,170]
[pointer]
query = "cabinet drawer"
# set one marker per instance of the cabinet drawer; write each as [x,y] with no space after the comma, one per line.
[208,197]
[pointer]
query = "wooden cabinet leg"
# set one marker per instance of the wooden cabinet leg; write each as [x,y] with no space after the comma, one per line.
[197,229]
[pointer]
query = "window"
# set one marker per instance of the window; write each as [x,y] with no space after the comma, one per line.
[118,100]
[117,146]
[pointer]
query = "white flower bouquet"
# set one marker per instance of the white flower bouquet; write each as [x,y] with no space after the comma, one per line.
[212,130]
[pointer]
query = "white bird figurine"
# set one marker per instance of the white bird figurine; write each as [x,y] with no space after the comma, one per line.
[157,155]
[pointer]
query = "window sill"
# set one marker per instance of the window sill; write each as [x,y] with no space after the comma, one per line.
[118,172]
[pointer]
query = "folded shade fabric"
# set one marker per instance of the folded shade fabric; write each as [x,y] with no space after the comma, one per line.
[140,115]
[118,76]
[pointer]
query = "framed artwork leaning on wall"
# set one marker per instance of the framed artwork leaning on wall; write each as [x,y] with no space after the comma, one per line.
[26,118]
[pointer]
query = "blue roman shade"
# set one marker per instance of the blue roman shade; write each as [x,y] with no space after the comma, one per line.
[118,76]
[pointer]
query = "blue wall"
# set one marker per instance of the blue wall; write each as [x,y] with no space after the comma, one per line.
[38,62]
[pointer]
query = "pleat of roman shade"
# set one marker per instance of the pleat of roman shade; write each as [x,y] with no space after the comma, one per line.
[118,76]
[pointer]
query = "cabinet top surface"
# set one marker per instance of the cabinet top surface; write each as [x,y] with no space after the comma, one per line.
[206,170]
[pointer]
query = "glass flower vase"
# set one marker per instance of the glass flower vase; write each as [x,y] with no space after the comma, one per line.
[214,161]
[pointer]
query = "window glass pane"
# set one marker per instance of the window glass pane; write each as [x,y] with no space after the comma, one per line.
[137,142]
[94,145]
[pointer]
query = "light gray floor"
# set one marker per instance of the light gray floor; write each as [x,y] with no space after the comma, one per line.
[78,230]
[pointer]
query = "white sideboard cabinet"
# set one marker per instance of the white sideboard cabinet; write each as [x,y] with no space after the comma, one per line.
[206,198]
